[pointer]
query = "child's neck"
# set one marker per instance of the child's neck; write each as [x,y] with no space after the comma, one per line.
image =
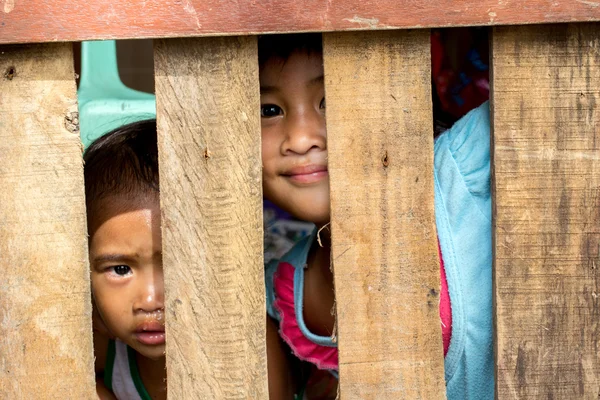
[154,376]
[319,256]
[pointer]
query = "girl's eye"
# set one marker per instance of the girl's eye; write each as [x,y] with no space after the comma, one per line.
[270,110]
[322,104]
[121,270]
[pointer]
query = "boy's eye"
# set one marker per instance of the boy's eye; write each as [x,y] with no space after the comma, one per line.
[322,104]
[270,110]
[121,270]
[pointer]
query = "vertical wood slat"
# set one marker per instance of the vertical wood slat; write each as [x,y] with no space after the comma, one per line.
[384,248]
[45,301]
[211,196]
[546,128]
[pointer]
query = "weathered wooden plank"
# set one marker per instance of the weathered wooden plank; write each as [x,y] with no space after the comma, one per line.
[209,146]
[45,301]
[67,20]
[546,124]
[384,247]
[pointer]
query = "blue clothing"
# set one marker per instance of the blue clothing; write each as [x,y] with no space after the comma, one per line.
[463,214]
[463,218]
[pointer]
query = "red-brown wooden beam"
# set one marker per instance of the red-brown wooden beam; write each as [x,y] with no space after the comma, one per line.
[24,21]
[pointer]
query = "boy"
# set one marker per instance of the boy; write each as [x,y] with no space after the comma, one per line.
[125,248]
[121,184]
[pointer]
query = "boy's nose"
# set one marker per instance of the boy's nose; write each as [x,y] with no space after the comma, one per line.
[151,293]
[305,131]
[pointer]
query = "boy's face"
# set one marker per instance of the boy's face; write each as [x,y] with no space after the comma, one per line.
[294,138]
[126,271]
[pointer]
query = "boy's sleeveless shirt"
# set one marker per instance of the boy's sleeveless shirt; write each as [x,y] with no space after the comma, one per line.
[463,219]
[121,374]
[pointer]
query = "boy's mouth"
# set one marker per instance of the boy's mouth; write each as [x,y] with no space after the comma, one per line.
[150,333]
[307,173]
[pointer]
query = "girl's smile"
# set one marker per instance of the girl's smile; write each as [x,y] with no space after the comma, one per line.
[308,174]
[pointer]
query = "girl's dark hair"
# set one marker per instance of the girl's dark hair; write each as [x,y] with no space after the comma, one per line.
[282,46]
[124,162]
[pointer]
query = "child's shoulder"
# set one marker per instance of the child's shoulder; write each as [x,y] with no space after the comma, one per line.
[465,147]
[296,256]
[468,133]
[101,343]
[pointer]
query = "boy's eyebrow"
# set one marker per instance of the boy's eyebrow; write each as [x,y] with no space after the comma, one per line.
[112,257]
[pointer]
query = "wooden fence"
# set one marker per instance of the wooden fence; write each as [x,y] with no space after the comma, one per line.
[545,105]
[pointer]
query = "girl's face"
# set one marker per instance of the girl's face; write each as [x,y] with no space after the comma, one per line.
[294,138]
[127,272]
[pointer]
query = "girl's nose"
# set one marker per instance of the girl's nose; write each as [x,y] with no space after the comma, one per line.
[305,131]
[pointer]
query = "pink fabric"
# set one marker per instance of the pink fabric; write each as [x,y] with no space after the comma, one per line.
[445,306]
[325,357]
[322,356]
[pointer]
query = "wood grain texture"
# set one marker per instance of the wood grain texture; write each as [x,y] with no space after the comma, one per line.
[211,196]
[384,248]
[45,300]
[67,20]
[546,128]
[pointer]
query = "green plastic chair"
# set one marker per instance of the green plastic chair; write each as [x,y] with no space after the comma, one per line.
[105,103]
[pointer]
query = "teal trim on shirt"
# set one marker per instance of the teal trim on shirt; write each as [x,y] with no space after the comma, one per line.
[110,363]
[135,374]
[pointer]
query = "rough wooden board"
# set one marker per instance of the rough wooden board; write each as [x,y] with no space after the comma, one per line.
[45,306]
[68,20]
[546,124]
[211,196]
[386,266]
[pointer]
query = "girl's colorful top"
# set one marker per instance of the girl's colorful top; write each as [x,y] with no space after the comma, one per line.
[121,374]
[463,219]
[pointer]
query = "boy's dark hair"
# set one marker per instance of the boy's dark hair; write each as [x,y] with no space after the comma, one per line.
[124,162]
[282,46]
